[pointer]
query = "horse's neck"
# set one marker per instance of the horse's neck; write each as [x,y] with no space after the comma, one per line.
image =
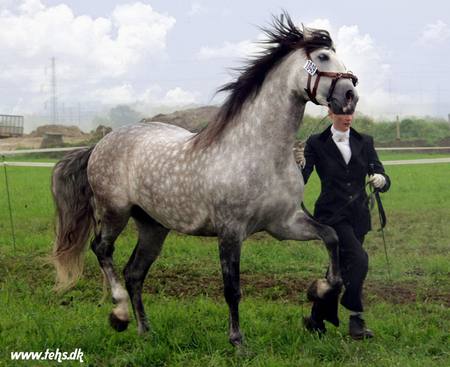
[271,119]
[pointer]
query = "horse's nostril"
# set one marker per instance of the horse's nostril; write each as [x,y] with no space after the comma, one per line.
[350,95]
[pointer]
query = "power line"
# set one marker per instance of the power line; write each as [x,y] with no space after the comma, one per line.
[54,118]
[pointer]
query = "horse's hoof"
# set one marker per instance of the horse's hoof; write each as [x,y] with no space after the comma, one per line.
[236,340]
[118,324]
[143,329]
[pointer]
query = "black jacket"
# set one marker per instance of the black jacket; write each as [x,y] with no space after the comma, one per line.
[341,182]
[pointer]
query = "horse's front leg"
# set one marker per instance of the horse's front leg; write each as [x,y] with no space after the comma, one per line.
[301,227]
[230,254]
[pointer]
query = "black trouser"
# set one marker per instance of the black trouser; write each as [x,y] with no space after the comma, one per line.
[354,262]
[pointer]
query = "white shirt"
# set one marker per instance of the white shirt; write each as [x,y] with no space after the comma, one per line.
[342,141]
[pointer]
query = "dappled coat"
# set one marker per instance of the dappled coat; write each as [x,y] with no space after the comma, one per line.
[341,183]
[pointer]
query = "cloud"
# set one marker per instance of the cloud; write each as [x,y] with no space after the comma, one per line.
[435,33]
[179,97]
[88,50]
[31,6]
[119,94]
[228,49]
[147,100]
[110,45]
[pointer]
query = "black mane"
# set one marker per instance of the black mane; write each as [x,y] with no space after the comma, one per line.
[282,38]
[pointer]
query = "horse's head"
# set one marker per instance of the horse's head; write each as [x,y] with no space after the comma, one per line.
[331,84]
[321,75]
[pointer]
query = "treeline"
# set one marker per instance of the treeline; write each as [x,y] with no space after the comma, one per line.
[414,131]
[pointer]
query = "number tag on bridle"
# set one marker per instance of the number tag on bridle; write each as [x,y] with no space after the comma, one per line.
[310,67]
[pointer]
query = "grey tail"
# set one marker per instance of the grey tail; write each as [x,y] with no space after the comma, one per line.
[73,198]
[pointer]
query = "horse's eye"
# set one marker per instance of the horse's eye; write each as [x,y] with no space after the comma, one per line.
[323,57]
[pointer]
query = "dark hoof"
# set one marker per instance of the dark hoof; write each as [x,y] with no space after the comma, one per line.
[236,340]
[314,326]
[116,323]
[143,329]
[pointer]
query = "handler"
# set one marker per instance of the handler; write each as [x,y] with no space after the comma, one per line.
[342,158]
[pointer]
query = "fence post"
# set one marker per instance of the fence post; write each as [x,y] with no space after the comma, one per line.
[13,234]
[397,124]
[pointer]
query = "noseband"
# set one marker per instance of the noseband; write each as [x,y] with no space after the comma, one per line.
[312,70]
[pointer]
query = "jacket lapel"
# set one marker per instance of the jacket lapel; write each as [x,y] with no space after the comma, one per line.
[330,146]
[356,143]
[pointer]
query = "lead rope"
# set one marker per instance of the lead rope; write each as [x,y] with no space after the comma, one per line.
[373,192]
[382,218]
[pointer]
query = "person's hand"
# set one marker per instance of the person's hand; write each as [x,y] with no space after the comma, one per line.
[377,180]
[299,153]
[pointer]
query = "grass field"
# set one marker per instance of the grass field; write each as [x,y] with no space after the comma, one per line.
[384,156]
[409,312]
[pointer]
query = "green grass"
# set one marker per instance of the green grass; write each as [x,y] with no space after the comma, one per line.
[384,156]
[401,155]
[409,312]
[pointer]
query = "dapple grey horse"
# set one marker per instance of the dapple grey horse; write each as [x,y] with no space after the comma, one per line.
[236,177]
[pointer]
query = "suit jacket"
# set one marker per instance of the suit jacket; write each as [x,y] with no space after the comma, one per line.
[340,182]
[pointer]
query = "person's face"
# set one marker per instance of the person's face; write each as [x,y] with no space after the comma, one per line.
[341,122]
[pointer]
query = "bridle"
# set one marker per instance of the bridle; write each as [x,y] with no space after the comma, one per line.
[313,70]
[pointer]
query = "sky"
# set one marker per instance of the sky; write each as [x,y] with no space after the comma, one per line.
[160,55]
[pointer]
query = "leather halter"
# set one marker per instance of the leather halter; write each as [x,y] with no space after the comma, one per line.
[334,76]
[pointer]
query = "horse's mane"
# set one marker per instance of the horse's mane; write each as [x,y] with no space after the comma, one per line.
[283,37]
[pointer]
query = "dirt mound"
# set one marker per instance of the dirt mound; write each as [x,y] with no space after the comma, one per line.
[67,131]
[192,119]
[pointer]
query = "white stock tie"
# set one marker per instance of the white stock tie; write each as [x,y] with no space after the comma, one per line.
[342,141]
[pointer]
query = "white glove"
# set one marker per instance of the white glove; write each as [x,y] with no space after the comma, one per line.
[377,180]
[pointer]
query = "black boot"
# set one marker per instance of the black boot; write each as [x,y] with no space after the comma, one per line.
[358,330]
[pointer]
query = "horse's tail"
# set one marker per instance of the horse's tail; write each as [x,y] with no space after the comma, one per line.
[73,198]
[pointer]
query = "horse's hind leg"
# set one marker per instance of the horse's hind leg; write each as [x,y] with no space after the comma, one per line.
[150,241]
[112,224]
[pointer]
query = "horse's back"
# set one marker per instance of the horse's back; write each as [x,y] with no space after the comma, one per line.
[149,165]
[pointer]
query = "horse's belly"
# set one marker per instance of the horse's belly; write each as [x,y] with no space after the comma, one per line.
[176,211]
